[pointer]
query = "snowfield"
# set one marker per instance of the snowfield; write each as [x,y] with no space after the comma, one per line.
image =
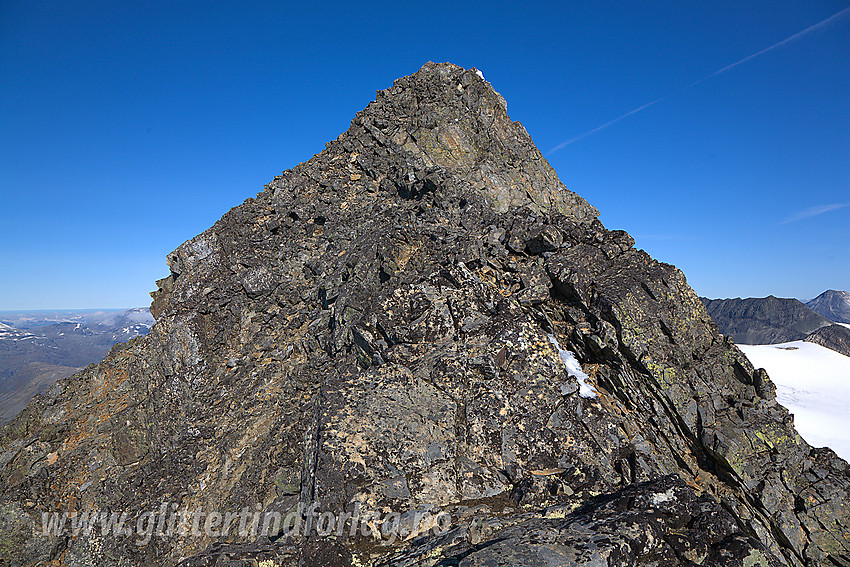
[813,382]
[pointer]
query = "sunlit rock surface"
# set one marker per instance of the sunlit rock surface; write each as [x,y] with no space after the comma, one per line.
[371,332]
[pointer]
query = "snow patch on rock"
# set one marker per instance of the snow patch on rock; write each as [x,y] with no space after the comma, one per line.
[573,368]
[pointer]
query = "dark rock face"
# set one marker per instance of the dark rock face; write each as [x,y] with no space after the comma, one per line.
[764,320]
[832,304]
[834,337]
[661,522]
[422,319]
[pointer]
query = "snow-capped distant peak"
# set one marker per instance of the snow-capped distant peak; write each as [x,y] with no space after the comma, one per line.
[832,304]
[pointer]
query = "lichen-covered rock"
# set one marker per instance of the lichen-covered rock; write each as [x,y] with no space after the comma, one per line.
[389,328]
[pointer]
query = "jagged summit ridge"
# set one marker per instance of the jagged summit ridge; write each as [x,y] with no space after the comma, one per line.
[372,332]
[446,117]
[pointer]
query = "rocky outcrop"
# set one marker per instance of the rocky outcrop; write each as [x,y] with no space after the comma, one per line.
[660,522]
[422,323]
[835,337]
[832,304]
[764,320]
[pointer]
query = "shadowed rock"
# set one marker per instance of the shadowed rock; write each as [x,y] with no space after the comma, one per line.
[835,337]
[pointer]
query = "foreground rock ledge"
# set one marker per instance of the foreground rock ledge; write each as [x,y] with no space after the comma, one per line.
[380,329]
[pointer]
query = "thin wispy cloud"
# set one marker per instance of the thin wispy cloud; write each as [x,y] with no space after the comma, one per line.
[814,211]
[798,35]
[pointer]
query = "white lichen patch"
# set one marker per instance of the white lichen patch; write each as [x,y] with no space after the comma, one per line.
[661,497]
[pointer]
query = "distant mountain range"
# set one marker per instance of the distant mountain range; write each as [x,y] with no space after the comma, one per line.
[37,348]
[773,320]
[764,320]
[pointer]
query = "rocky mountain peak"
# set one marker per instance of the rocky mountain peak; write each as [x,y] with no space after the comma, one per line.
[832,304]
[450,118]
[421,322]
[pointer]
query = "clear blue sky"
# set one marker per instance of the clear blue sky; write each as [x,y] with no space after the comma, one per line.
[127,128]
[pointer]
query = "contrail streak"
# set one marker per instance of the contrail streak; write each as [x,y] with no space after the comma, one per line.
[814,211]
[789,39]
